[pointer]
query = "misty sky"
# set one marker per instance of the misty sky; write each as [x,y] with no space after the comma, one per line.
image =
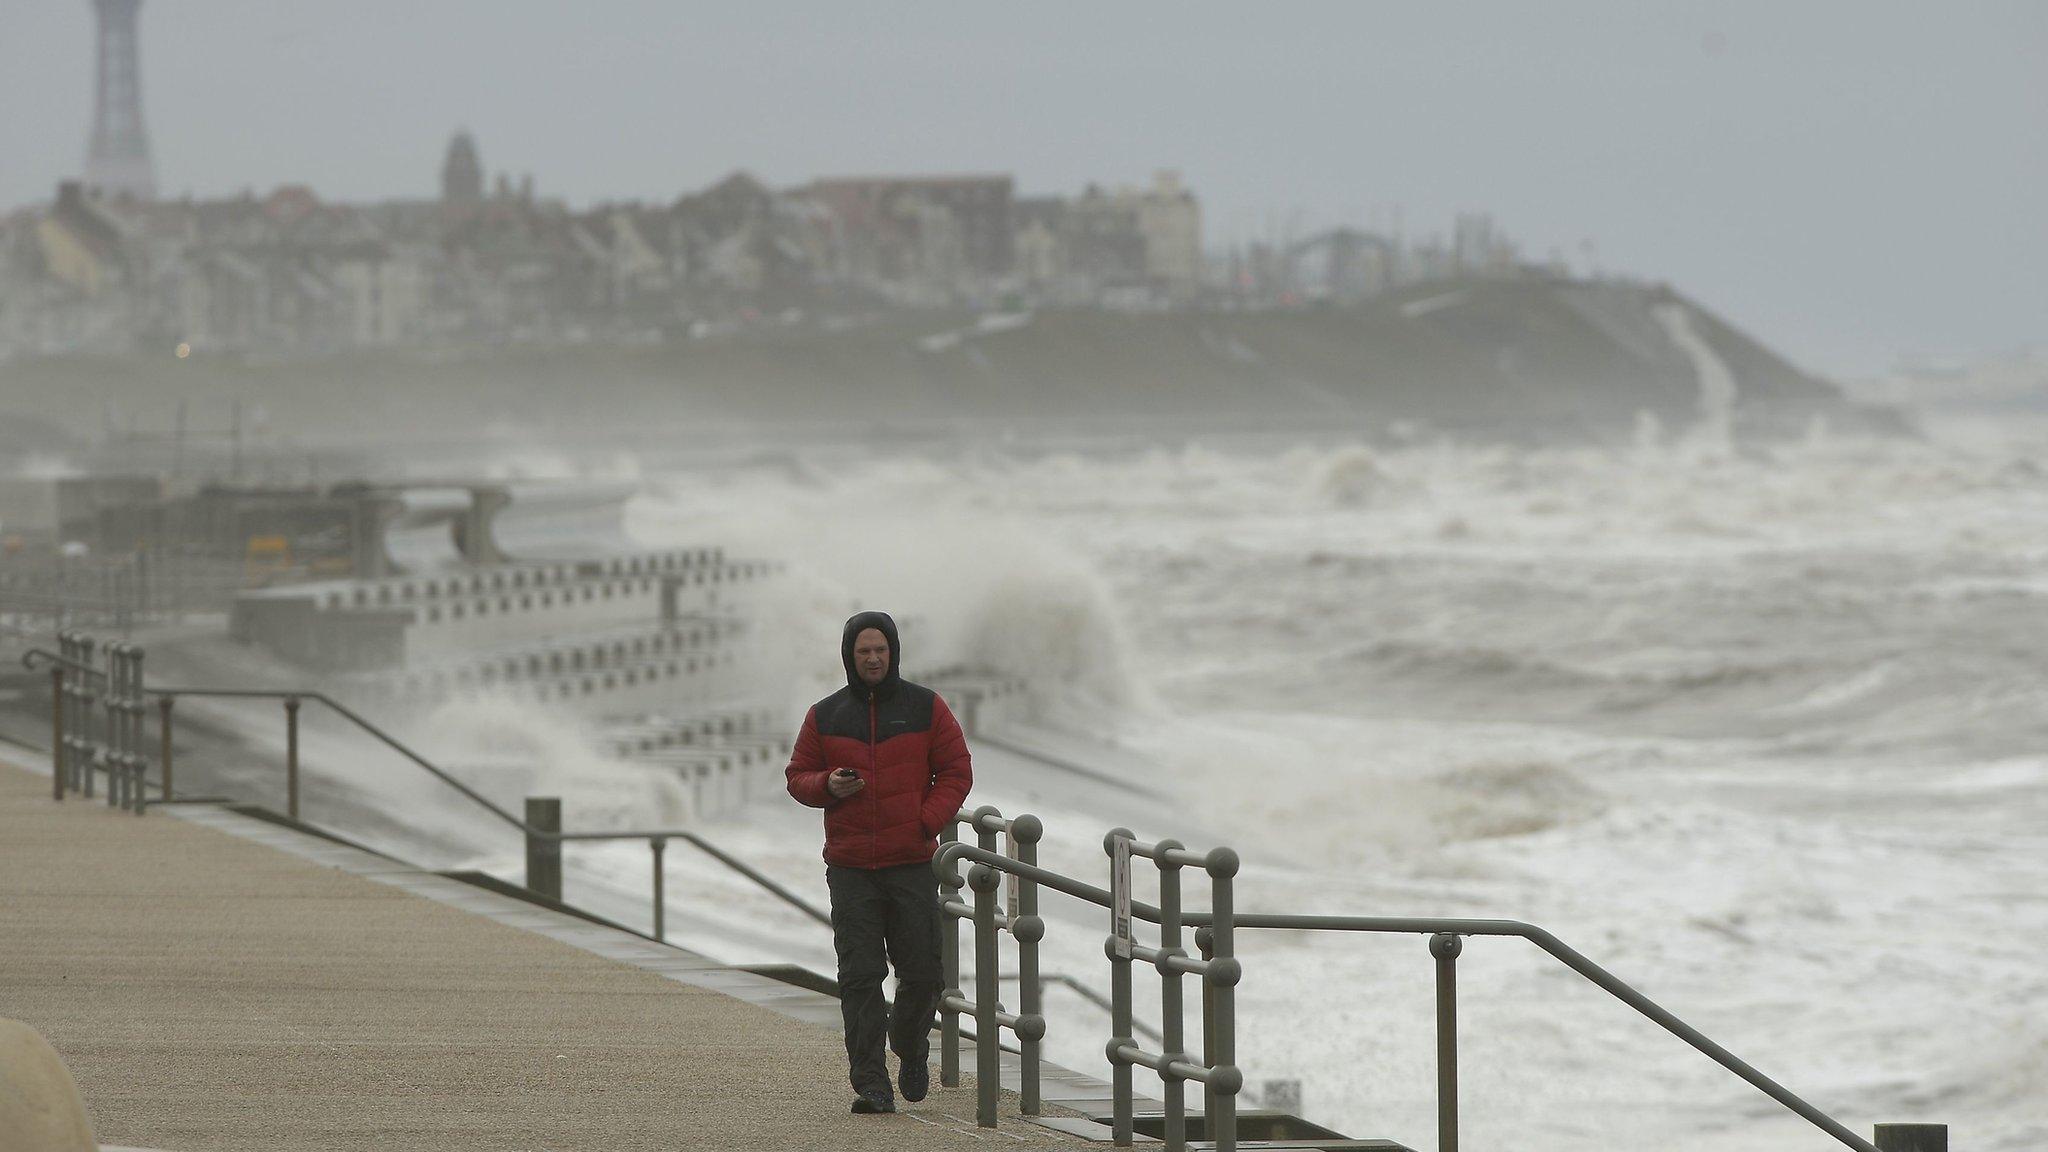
[1854,182]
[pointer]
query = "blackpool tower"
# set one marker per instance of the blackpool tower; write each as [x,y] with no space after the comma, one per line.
[117,162]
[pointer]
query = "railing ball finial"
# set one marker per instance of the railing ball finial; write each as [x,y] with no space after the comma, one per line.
[1227,1080]
[1225,971]
[1222,863]
[1028,829]
[1446,945]
[982,878]
[1110,838]
[1028,929]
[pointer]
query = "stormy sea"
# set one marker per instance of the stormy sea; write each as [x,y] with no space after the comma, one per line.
[1763,730]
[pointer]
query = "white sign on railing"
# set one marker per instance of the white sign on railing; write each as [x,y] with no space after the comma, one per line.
[1120,895]
[1010,878]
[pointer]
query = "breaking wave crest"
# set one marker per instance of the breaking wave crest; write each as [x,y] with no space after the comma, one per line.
[971,589]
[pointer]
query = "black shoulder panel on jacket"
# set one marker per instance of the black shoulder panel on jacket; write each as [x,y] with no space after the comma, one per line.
[845,713]
[841,715]
[909,709]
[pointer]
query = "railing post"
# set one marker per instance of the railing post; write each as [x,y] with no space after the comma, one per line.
[57,729]
[121,659]
[987,1036]
[291,757]
[1221,865]
[1121,1126]
[112,726]
[1170,1040]
[1205,941]
[126,766]
[74,723]
[660,845]
[1912,1138]
[544,853]
[163,724]
[138,707]
[1028,929]
[131,740]
[988,1031]
[67,719]
[949,966]
[1445,947]
[87,734]
[121,665]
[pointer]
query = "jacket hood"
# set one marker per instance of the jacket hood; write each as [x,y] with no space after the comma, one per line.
[861,622]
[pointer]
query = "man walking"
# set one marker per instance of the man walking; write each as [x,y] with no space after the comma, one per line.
[888,763]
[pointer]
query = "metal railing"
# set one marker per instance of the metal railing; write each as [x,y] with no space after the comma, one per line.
[96,717]
[83,741]
[1214,937]
[1021,920]
[1219,1075]
[97,723]
[1219,969]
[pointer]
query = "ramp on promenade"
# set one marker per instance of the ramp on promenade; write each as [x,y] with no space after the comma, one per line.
[217,982]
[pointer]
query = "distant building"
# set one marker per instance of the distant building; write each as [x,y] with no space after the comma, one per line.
[379,292]
[1478,248]
[1170,221]
[907,226]
[80,244]
[1040,256]
[1104,243]
[489,262]
[1142,244]
[462,173]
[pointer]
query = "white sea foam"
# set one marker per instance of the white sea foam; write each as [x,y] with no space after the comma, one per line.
[1757,728]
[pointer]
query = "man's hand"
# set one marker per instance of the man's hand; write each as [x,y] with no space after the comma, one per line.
[844,782]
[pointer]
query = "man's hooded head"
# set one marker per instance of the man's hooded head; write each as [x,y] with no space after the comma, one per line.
[880,622]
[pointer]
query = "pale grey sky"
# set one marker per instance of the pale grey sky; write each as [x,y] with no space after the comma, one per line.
[1853,181]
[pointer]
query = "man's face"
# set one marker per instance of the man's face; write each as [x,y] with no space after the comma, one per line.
[871,656]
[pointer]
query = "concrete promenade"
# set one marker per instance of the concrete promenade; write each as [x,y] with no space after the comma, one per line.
[216,982]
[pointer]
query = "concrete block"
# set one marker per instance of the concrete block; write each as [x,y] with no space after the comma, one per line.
[40,1109]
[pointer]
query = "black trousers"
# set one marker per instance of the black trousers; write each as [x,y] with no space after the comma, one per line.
[885,917]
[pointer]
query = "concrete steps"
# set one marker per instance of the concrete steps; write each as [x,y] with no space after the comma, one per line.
[361,625]
[602,671]
[728,757]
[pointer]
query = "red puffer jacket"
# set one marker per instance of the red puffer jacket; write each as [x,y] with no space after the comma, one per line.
[908,749]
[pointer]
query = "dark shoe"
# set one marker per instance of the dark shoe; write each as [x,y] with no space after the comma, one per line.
[872,1103]
[915,1079]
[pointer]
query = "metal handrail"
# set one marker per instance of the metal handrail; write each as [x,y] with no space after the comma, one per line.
[1091,996]
[1025,926]
[1575,960]
[951,854]
[1444,931]
[30,659]
[656,839]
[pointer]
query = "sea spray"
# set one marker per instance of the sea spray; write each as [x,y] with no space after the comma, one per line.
[508,750]
[974,590]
